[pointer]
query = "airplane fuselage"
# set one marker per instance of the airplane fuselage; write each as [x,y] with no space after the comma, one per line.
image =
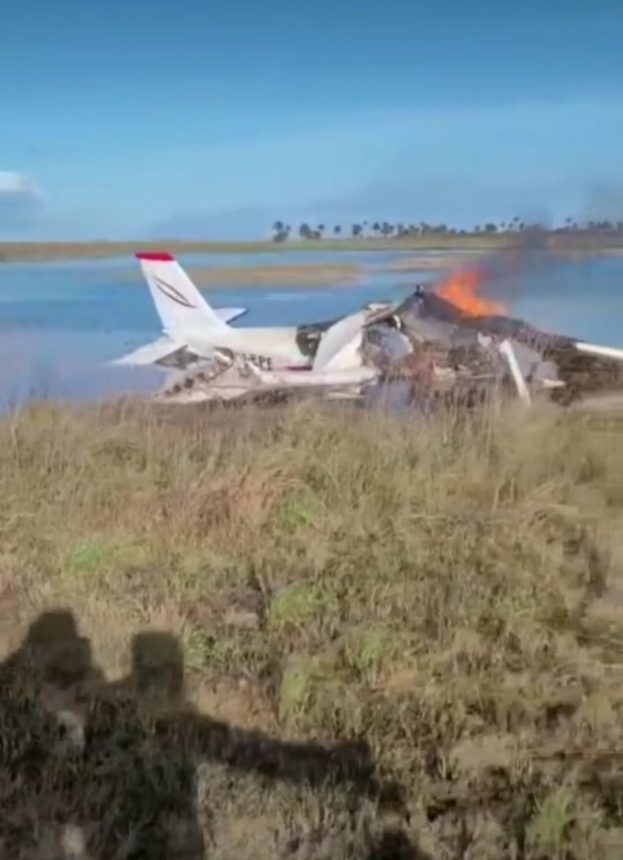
[268,348]
[192,330]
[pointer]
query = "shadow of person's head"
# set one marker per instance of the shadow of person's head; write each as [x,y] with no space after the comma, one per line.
[54,649]
[157,666]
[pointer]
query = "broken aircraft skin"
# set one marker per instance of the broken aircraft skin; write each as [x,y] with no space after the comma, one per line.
[307,337]
[472,343]
[545,359]
[423,351]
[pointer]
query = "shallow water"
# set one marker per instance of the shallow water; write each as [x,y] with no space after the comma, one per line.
[61,322]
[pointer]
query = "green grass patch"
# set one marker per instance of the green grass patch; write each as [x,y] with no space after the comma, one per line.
[101,555]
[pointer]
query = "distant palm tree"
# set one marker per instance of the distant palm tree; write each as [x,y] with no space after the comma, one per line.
[278,226]
[337,229]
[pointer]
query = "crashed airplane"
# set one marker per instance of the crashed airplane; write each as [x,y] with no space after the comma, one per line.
[193,330]
[198,338]
[448,342]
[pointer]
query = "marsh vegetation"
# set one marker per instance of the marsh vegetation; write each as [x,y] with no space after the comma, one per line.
[446,594]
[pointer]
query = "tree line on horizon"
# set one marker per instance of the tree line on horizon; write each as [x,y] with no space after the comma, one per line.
[385,229]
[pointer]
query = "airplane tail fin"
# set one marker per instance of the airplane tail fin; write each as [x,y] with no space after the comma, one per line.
[180,305]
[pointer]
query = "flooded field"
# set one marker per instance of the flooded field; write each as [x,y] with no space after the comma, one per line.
[60,323]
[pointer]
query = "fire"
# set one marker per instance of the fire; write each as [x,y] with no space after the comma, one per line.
[461,289]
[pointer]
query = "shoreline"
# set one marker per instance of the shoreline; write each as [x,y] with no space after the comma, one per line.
[56,251]
[412,257]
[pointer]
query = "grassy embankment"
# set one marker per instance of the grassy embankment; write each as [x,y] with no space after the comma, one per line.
[44,251]
[275,275]
[452,593]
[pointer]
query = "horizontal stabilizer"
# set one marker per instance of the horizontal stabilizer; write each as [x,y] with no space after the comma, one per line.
[229,314]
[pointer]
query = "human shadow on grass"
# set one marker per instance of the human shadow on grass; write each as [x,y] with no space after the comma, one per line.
[100,769]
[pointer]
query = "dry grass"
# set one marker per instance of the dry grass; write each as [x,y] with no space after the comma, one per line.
[45,251]
[450,592]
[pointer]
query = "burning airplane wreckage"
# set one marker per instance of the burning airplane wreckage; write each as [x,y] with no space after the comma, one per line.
[447,344]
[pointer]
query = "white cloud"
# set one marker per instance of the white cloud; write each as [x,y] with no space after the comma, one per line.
[20,201]
[12,182]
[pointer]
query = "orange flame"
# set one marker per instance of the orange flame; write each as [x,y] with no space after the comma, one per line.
[461,289]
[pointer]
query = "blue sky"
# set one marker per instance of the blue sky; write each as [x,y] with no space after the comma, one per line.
[136,119]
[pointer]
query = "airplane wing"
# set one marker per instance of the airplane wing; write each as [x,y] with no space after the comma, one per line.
[150,353]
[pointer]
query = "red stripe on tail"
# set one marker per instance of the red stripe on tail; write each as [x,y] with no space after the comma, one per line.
[156,256]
